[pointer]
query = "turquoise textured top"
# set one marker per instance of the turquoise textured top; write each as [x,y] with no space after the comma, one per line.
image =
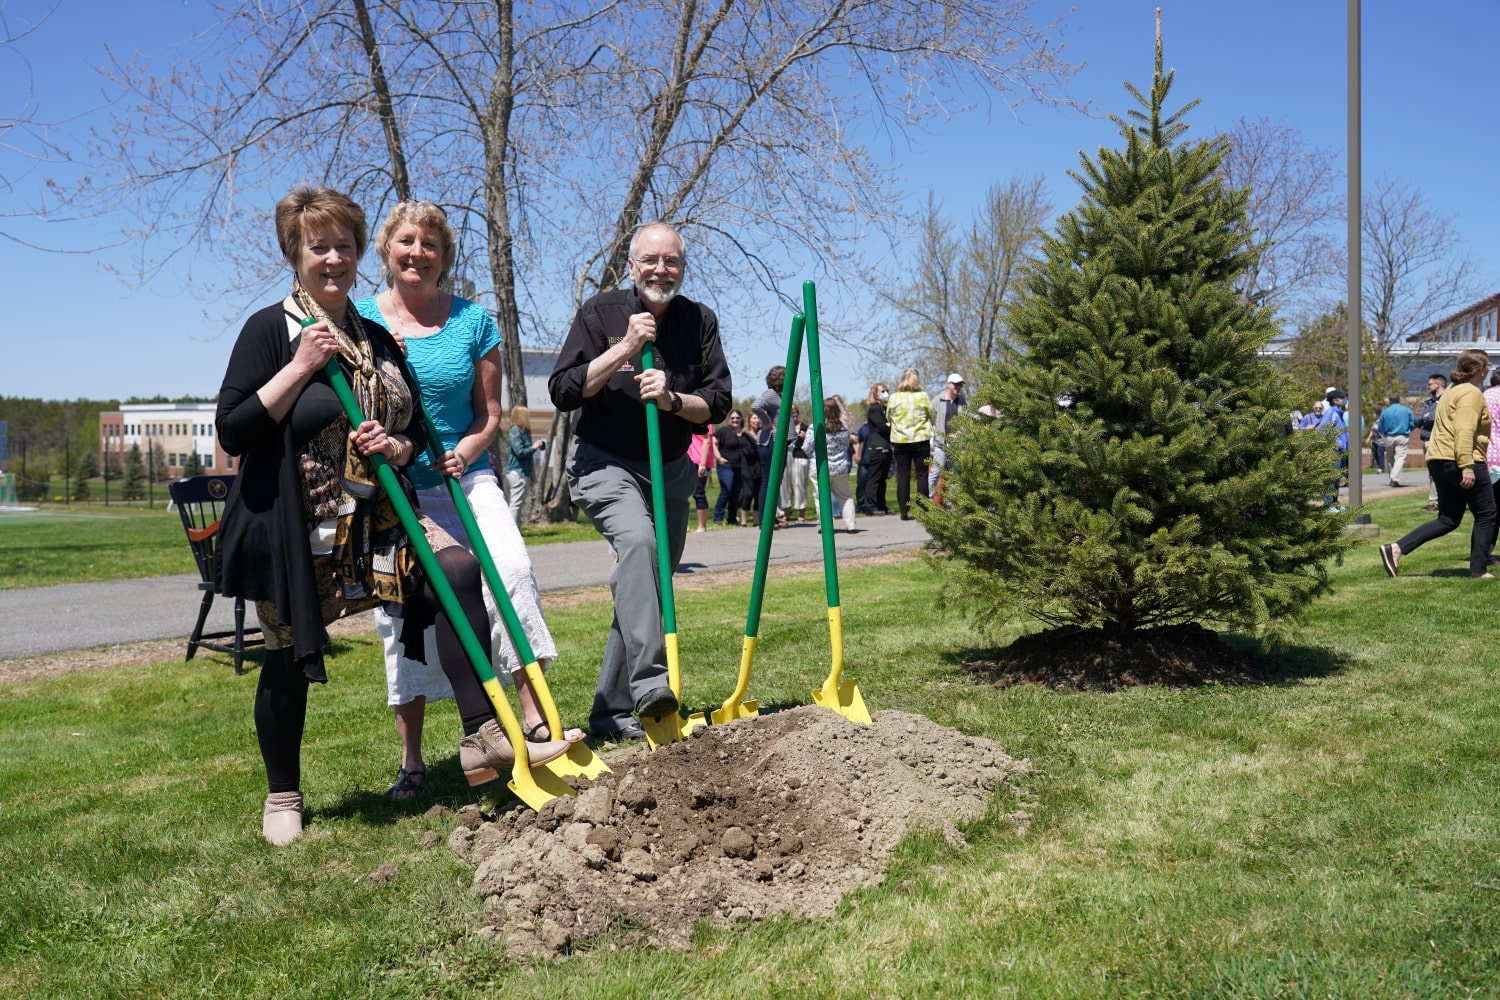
[444,368]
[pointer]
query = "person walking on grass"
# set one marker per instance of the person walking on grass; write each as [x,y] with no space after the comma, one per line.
[1457,464]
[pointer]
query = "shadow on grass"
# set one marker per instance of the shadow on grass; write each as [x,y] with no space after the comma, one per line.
[445,785]
[1181,657]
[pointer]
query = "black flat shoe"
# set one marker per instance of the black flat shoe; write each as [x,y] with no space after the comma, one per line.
[634,731]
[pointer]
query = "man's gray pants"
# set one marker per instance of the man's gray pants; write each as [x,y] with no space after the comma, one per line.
[615,493]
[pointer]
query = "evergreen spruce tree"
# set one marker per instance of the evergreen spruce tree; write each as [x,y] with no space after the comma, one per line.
[134,486]
[1140,474]
[193,466]
[82,472]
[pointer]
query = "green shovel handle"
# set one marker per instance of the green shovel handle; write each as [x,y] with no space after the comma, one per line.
[820,442]
[773,484]
[392,485]
[659,503]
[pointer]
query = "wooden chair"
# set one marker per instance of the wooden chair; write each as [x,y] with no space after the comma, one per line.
[200,503]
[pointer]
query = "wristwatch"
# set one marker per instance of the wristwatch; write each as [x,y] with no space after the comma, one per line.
[676,403]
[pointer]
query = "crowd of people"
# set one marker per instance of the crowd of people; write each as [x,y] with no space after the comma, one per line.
[309,534]
[1462,459]
[901,438]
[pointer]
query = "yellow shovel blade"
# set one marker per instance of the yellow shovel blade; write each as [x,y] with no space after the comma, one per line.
[733,707]
[537,786]
[533,786]
[845,700]
[670,728]
[728,713]
[579,762]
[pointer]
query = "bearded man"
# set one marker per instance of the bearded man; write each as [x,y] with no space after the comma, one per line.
[609,473]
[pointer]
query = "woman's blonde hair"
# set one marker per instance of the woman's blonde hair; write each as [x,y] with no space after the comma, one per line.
[307,208]
[910,381]
[419,213]
[520,416]
[1471,363]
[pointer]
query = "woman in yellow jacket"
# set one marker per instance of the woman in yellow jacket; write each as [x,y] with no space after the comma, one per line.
[1456,464]
[911,415]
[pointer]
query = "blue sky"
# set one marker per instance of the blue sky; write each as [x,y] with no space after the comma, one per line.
[75,329]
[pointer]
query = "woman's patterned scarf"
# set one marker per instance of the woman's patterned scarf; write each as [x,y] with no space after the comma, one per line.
[371,551]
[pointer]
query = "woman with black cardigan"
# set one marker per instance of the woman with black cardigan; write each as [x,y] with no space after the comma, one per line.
[306,533]
[878,450]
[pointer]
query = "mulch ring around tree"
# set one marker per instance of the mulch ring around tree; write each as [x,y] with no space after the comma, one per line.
[784,813]
[1092,660]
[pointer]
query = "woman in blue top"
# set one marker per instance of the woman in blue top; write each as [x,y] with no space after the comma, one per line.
[452,347]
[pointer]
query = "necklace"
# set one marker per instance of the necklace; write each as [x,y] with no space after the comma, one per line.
[412,325]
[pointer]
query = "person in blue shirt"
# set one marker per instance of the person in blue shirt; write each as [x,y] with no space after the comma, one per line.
[1333,416]
[1310,419]
[453,349]
[1395,424]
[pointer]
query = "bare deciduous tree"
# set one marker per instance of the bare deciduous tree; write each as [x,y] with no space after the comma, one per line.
[26,140]
[1293,211]
[1320,358]
[551,129]
[1416,267]
[953,310]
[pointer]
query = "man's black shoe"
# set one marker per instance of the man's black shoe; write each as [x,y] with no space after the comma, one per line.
[633,731]
[656,703]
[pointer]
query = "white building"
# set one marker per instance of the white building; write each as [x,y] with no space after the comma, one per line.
[177,430]
[182,429]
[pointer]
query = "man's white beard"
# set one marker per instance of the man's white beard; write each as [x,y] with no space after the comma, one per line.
[656,294]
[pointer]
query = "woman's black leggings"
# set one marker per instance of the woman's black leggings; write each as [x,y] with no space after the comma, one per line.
[1453,500]
[281,694]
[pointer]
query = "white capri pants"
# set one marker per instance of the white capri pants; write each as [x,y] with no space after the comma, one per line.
[406,680]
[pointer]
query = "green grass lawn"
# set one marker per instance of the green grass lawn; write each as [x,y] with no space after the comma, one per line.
[1333,834]
[91,542]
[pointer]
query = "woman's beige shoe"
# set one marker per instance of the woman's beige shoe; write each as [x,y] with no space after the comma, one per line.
[281,823]
[483,755]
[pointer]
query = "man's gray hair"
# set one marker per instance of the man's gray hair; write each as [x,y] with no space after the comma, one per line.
[635,237]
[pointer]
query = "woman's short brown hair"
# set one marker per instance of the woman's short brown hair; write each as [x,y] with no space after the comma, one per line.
[874,396]
[307,208]
[421,213]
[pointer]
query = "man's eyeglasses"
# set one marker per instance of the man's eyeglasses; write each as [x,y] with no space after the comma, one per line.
[670,263]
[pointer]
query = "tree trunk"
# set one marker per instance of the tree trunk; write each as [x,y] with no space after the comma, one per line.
[400,177]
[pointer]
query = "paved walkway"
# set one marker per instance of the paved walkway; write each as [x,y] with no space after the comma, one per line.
[90,615]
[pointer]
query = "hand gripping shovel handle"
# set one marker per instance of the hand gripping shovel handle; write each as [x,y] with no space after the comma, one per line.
[735,707]
[532,795]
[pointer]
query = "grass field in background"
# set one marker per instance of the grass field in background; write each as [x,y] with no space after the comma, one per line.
[91,542]
[1333,834]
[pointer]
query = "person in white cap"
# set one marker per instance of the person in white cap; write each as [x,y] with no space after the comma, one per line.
[945,405]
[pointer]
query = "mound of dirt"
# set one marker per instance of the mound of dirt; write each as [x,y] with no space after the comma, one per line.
[784,813]
[1073,660]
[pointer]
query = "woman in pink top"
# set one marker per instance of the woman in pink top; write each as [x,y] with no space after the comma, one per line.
[1492,453]
[701,453]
